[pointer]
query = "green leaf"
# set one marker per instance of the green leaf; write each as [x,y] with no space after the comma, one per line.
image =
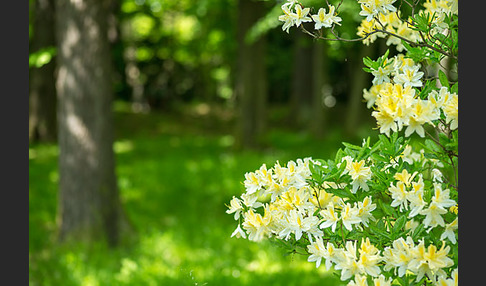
[342,193]
[426,89]
[352,146]
[316,172]
[432,146]
[415,53]
[389,210]
[381,232]
[455,88]
[443,79]
[368,62]
[336,171]
[417,231]
[399,224]
[403,280]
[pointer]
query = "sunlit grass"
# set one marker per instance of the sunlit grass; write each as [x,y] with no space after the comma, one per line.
[174,183]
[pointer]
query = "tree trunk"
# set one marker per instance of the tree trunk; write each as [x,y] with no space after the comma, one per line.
[358,81]
[42,90]
[89,206]
[250,85]
[319,79]
[301,96]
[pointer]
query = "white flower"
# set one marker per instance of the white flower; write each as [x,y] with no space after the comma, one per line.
[429,260]
[399,255]
[348,264]
[369,258]
[433,215]
[364,210]
[359,280]
[257,226]
[250,200]
[295,223]
[399,195]
[238,232]
[331,218]
[235,207]
[382,75]
[323,19]
[288,17]
[449,231]
[437,175]
[441,197]
[416,198]
[382,281]
[252,182]
[301,15]
[330,255]
[359,173]
[349,216]
[409,77]
[317,251]
[371,8]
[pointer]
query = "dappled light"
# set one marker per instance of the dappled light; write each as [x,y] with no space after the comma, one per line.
[175,200]
[154,126]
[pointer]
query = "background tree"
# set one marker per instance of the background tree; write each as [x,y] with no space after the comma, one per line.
[89,205]
[320,75]
[250,85]
[302,78]
[42,90]
[356,110]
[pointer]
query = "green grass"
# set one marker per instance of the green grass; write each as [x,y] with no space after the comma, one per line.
[175,176]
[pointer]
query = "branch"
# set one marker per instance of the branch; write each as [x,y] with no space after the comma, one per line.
[382,30]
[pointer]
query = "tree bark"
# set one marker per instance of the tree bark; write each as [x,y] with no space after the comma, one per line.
[251,81]
[320,74]
[301,90]
[89,206]
[358,81]
[42,90]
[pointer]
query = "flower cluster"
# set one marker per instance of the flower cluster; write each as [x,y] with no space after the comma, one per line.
[383,19]
[396,101]
[383,213]
[295,15]
[340,211]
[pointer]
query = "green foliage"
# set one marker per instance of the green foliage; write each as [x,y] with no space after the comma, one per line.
[41,57]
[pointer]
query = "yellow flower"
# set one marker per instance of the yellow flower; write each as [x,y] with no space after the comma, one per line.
[367,27]
[235,207]
[450,109]
[360,174]
[429,261]
[449,231]
[256,225]
[405,177]
[399,195]
[369,258]
[320,198]
[454,209]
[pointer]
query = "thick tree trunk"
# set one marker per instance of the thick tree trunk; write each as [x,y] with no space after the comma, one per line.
[250,85]
[89,206]
[42,90]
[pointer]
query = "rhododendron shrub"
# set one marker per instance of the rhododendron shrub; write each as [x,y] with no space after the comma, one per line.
[385,212]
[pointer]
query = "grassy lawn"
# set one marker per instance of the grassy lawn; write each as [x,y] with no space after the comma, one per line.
[175,176]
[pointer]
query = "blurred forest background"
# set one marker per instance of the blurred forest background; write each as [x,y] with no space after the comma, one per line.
[144,116]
